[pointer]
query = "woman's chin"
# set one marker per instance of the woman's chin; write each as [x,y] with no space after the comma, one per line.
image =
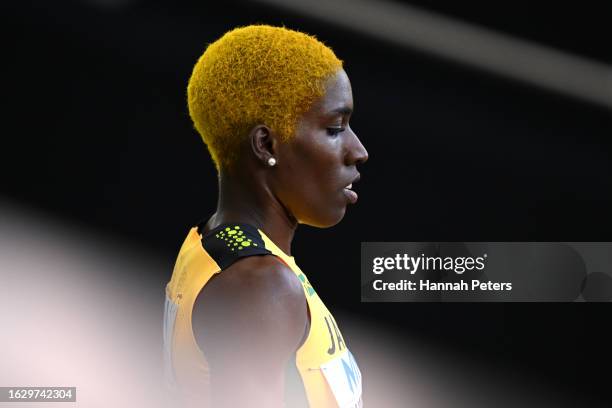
[326,220]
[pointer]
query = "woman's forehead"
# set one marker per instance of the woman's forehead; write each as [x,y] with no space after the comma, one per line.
[338,97]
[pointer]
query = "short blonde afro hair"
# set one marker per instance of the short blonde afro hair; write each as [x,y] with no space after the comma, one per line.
[252,75]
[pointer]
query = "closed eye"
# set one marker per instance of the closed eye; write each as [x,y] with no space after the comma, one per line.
[333,131]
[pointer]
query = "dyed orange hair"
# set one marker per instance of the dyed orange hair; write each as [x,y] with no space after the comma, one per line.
[252,75]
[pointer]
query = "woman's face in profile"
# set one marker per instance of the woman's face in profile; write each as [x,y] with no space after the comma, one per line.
[319,163]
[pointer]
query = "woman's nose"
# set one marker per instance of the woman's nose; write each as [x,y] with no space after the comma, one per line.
[357,153]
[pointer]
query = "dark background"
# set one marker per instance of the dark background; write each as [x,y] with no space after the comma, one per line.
[96,130]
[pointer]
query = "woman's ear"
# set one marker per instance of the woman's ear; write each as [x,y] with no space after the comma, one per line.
[263,143]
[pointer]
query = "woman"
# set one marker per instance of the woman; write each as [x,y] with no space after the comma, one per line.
[273,106]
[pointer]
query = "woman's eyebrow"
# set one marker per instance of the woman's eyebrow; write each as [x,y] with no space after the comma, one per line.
[345,110]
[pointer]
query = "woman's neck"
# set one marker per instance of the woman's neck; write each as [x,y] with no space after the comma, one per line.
[252,202]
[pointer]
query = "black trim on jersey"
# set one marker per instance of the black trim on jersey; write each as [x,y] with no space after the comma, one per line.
[217,247]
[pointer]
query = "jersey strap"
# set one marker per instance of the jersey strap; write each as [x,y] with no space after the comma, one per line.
[231,241]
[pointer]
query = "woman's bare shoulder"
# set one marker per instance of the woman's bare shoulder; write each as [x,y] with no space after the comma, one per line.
[259,297]
[256,275]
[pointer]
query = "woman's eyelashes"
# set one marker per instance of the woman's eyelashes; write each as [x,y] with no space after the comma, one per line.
[333,131]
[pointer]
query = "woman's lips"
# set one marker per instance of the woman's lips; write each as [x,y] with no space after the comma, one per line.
[350,194]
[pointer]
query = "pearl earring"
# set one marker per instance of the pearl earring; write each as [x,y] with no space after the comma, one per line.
[271,161]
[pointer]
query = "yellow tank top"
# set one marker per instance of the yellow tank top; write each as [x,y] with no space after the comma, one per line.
[328,370]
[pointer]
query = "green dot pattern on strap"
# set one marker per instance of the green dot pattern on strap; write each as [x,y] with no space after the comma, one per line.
[235,237]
